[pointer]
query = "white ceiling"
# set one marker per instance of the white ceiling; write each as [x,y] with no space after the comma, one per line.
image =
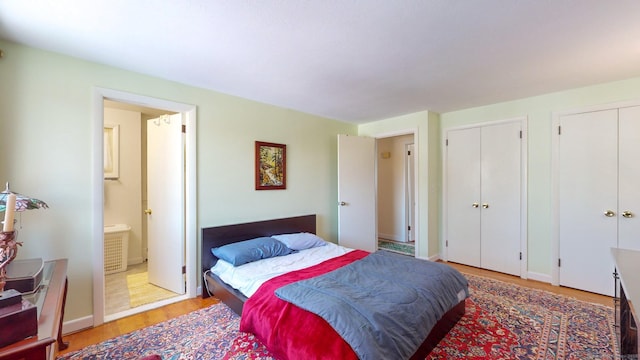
[352,60]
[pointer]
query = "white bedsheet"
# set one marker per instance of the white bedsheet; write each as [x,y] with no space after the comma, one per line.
[247,278]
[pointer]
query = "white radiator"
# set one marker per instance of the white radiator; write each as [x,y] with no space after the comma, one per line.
[116,246]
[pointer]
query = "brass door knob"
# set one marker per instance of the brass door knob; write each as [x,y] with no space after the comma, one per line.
[627,214]
[485,206]
[475,205]
[609,213]
[147,211]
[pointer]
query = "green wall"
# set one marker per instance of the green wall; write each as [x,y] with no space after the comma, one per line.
[46,121]
[539,111]
[46,152]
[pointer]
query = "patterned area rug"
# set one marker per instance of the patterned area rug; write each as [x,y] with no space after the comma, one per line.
[502,321]
[142,292]
[208,333]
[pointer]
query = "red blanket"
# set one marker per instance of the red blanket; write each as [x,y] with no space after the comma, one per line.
[288,331]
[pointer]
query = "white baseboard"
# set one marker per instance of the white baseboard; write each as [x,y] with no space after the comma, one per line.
[135,261]
[394,237]
[539,277]
[429,258]
[76,325]
[529,275]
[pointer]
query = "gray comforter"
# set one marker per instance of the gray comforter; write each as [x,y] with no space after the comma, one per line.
[383,305]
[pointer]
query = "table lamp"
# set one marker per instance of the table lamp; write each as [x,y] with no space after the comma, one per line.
[12,202]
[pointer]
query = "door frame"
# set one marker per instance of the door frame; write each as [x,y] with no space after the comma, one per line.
[555,180]
[409,191]
[523,120]
[191,236]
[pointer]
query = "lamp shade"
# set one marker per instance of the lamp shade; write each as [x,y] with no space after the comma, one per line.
[22,202]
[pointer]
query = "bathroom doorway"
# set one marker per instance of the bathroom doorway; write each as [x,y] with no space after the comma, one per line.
[127,290]
[129,183]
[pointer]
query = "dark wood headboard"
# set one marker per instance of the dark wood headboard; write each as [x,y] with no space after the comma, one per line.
[222,235]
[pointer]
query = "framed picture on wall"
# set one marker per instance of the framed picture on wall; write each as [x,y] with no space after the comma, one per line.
[271,166]
[111,152]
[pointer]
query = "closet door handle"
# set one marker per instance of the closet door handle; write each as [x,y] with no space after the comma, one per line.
[485,206]
[475,205]
[627,214]
[609,213]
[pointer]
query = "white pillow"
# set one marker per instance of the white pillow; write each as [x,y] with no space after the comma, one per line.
[300,241]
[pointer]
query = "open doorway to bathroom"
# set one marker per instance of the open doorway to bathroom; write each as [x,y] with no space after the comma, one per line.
[126,209]
[124,199]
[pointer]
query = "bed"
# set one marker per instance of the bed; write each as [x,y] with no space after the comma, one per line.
[215,237]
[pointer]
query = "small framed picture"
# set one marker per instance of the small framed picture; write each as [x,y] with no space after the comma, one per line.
[111,152]
[271,166]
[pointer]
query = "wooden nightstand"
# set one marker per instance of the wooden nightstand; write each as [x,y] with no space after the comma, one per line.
[628,267]
[50,299]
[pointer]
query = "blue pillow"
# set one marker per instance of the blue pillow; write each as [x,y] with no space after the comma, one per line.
[301,241]
[243,252]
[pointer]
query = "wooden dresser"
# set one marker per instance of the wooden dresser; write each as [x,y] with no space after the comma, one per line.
[628,299]
[50,300]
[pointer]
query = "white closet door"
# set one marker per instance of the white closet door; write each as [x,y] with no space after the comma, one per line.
[588,191]
[463,196]
[500,204]
[629,178]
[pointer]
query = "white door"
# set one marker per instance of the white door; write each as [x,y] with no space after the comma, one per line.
[587,199]
[463,196]
[629,178]
[357,193]
[483,194]
[410,193]
[165,198]
[500,206]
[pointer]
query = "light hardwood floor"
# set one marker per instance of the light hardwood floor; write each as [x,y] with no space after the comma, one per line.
[125,325]
[580,295]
